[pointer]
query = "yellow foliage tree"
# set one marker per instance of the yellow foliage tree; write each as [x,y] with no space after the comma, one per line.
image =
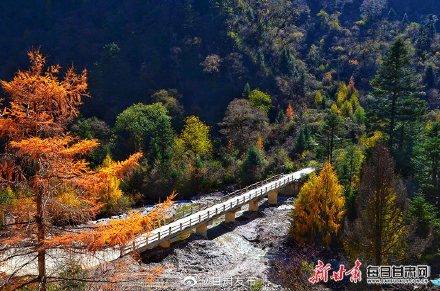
[334,108]
[369,141]
[195,136]
[380,232]
[319,209]
[342,94]
[110,194]
[347,108]
[259,144]
[354,99]
[318,99]
[260,100]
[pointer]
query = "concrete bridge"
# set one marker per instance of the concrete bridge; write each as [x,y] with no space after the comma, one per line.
[197,219]
[227,206]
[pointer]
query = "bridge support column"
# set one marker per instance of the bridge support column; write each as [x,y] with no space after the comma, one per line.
[230,216]
[202,230]
[297,187]
[273,197]
[253,205]
[165,244]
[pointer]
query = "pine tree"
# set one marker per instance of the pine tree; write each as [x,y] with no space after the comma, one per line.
[287,64]
[280,117]
[334,108]
[426,34]
[260,59]
[430,163]
[395,88]
[354,99]
[329,130]
[426,216]
[430,77]
[246,91]
[111,193]
[188,19]
[359,115]
[259,144]
[252,163]
[348,166]
[162,138]
[347,108]
[303,140]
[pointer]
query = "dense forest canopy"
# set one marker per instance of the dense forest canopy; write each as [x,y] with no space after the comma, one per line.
[191,98]
[208,50]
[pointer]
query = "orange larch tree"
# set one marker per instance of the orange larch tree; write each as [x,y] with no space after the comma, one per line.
[289,112]
[51,187]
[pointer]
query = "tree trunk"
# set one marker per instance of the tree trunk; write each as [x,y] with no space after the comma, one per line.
[392,123]
[331,145]
[40,240]
[379,226]
[435,181]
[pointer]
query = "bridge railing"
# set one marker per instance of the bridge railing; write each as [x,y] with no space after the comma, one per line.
[199,207]
[156,236]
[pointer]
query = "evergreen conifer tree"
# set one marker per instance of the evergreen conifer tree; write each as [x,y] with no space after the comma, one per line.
[397,108]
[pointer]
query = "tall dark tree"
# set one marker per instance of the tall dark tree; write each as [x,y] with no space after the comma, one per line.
[251,167]
[329,131]
[280,117]
[430,164]
[426,34]
[188,19]
[430,77]
[287,64]
[303,140]
[246,91]
[109,79]
[396,108]
[426,216]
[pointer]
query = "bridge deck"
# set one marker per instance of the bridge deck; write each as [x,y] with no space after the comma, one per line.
[179,226]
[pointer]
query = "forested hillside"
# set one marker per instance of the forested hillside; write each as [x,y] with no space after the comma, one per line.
[182,98]
[208,50]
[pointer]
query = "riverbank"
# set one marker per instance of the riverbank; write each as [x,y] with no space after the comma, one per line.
[233,256]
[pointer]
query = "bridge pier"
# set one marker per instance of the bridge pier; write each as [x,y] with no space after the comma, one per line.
[202,230]
[165,244]
[230,216]
[273,197]
[253,205]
